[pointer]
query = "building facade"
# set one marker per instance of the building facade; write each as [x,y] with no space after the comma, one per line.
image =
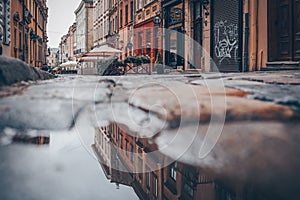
[63,49]
[35,17]
[113,35]
[5,30]
[24,34]
[101,21]
[70,43]
[126,27]
[148,20]
[52,57]
[84,30]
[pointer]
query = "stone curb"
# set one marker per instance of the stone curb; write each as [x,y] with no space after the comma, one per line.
[14,70]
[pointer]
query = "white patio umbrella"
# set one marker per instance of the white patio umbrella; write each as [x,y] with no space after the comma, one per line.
[90,58]
[69,64]
[105,49]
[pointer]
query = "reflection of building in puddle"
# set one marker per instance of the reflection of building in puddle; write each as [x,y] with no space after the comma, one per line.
[106,153]
[38,140]
[134,162]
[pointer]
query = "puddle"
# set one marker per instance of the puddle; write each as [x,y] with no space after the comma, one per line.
[108,162]
[61,169]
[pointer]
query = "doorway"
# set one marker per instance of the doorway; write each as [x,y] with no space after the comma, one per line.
[174,37]
[175,46]
[284,30]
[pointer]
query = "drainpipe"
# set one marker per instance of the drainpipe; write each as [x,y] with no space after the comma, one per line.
[253,35]
[133,30]
[256,32]
[246,47]
[86,28]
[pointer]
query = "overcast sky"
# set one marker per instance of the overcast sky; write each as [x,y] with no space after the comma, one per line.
[61,17]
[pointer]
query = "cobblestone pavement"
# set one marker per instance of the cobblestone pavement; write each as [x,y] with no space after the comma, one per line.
[239,127]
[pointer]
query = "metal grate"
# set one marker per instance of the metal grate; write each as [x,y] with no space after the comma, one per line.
[226,27]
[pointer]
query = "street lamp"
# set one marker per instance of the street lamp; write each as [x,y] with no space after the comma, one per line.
[156,21]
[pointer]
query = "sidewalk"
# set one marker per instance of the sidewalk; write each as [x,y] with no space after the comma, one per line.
[13,71]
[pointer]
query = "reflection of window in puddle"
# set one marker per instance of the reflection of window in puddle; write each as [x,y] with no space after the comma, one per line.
[35,137]
[37,140]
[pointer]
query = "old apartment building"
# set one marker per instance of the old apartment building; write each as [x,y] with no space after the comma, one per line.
[84,28]
[23,27]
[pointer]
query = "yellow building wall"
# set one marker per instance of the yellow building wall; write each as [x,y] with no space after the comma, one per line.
[262,33]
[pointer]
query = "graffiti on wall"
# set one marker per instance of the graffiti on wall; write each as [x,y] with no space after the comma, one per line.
[226,41]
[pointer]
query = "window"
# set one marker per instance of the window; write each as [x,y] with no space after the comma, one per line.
[148,177]
[140,168]
[148,36]
[175,14]
[121,17]
[140,42]
[224,194]
[172,171]
[140,4]
[6,21]
[198,10]
[188,189]
[132,153]
[154,189]
[131,11]
[111,26]
[20,39]
[116,23]
[126,14]
[126,147]
[40,51]
[120,142]
[26,45]
[15,37]
[148,1]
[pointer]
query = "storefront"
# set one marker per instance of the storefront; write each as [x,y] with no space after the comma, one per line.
[145,39]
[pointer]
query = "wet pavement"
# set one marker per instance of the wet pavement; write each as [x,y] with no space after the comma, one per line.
[60,170]
[241,129]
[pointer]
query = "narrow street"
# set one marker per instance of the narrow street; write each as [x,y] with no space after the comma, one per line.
[149,99]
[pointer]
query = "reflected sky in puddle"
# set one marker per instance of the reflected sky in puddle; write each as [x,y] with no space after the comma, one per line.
[91,163]
[61,170]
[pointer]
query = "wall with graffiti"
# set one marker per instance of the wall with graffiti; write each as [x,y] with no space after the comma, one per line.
[226,35]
